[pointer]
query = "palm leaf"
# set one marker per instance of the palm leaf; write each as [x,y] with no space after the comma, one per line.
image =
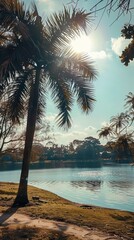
[66,22]
[81,88]
[70,59]
[18,95]
[14,17]
[13,58]
[77,73]
[62,97]
[42,97]
[130,100]
[105,131]
[12,62]
[84,93]
[12,12]
[120,121]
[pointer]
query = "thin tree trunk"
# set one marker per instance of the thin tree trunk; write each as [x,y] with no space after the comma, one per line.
[22,195]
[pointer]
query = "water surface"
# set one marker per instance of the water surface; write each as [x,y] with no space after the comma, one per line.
[108,186]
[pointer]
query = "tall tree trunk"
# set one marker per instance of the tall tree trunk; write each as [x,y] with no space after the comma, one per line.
[22,195]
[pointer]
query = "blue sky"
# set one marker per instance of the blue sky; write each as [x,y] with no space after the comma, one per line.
[114,80]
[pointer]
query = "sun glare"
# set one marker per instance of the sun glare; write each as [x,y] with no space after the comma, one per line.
[81,44]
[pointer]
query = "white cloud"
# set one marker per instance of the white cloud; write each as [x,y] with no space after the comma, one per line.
[105,124]
[119,44]
[51,117]
[90,128]
[100,55]
[69,136]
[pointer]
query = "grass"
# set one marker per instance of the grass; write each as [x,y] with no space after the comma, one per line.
[29,233]
[51,206]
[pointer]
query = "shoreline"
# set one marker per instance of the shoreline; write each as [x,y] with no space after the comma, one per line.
[84,205]
[45,205]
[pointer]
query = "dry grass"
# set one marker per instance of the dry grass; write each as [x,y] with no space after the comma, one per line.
[51,206]
[30,233]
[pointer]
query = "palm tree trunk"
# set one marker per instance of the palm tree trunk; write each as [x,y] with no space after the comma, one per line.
[22,195]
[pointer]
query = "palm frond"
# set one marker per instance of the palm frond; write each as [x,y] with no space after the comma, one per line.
[119,121]
[13,58]
[17,96]
[78,73]
[66,22]
[130,100]
[84,93]
[82,88]
[131,114]
[14,17]
[105,131]
[80,63]
[11,11]
[63,99]
[42,97]
[7,69]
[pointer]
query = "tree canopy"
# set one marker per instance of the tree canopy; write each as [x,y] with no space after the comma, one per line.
[128,53]
[35,58]
[119,131]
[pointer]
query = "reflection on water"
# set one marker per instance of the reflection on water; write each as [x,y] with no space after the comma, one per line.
[51,164]
[89,185]
[121,184]
[107,186]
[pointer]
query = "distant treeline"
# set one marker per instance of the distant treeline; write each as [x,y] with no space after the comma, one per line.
[86,150]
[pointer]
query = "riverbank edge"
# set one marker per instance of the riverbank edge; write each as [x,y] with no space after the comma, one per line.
[46,205]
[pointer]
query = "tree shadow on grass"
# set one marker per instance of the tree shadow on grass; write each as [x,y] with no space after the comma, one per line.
[19,233]
[121,218]
[32,233]
[7,214]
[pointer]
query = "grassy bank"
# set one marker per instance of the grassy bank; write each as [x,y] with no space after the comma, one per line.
[44,204]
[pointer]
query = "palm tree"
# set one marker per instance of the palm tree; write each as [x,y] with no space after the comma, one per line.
[130,105]
[105,131]
[120,122]
[123,146]
[130,101]
[35,58]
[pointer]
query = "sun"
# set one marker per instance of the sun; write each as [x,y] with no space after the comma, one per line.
[81,44]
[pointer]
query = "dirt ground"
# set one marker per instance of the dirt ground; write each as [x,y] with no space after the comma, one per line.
[15,226]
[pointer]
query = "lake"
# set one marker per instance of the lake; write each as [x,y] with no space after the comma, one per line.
[108,186]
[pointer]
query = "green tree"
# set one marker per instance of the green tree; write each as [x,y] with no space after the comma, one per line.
[122,146]
[130,101]
[105,131]
[120,122]
[8,131]
[89,149]
[36,57]
[128,53]
[130,106]
[119,132]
